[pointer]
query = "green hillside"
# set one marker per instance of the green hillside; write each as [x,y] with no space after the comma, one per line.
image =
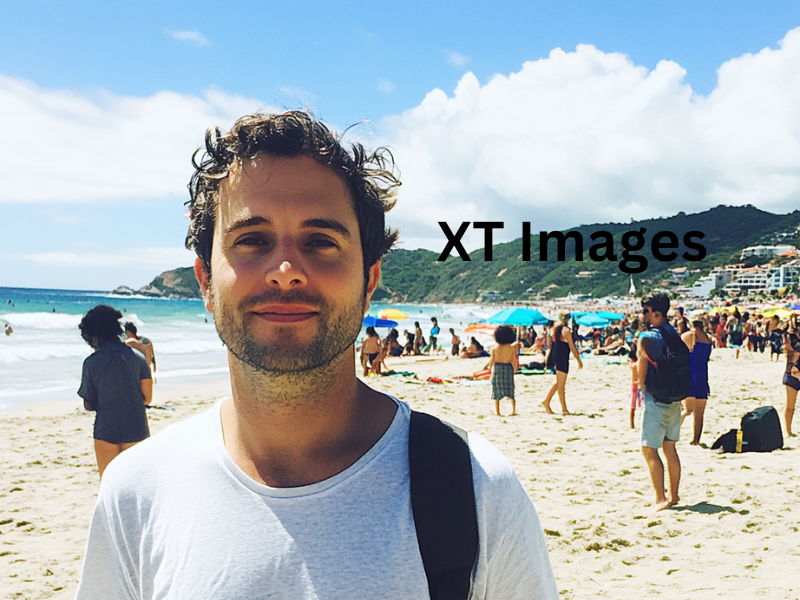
[417,275]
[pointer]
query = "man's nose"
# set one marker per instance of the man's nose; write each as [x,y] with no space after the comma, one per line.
[287,275]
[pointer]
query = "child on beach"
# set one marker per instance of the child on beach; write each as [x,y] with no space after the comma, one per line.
[635,396]
[504,362]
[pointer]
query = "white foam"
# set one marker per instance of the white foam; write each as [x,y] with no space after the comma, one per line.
[42,320]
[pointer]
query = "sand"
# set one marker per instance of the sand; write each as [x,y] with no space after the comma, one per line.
[735,530]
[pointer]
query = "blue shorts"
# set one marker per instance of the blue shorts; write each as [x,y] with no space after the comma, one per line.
[660,422]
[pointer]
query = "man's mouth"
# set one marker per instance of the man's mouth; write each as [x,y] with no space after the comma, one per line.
[286,313]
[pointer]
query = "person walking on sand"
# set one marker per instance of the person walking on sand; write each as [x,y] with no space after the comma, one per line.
[431,348]
[504,362]
[661,423]
[699,344]
[142,344]
[304,483]
[560,350]
[635,396]
[116,385]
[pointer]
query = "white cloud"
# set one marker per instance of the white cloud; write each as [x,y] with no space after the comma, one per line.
[585,137]
[61,146]
[457,59]
[190,36]
[384,85]
[149,259]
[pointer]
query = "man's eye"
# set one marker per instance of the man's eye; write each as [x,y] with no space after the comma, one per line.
[250,240]
[322,243]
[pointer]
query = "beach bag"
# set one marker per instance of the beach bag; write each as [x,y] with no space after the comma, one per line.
[672,378]
[761,430]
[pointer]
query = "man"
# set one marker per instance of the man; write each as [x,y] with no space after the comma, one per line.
[661,423]
[140,343]
[298,486]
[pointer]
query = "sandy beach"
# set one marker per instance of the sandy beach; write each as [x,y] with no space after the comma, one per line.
[735,530]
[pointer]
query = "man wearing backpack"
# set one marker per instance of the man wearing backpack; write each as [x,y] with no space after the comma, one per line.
[306,482]
[661,423]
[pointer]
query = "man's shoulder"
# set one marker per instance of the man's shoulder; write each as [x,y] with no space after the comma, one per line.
[167,452]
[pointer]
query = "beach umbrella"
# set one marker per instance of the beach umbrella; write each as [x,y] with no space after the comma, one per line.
[611,316]
[783,313]
[392,313]
[592,320]
[370,321]
[518,317]
[483,328]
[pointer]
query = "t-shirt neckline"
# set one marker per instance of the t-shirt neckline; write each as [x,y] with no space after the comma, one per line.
[401,417]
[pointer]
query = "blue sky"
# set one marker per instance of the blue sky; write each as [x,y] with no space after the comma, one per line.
[103,104]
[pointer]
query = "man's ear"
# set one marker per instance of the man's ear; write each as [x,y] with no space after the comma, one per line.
[372,283]
[201,273]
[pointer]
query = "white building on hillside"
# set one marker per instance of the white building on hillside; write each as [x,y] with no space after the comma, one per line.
[717,278]
[783,276]
[748,281]
[765,251]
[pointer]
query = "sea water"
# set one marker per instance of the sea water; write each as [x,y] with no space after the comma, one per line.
[41,360]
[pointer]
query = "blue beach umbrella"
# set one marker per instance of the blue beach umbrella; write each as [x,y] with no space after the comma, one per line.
[518,317]
[611,316]
[592,320]
[370,321]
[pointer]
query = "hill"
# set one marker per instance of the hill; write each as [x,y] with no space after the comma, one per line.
[417,275]
[177,283]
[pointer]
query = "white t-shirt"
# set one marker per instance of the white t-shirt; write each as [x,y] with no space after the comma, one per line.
[176,518]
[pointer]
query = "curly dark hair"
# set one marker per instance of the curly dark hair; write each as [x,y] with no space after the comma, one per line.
[102,323]
[505,335]
[370,177]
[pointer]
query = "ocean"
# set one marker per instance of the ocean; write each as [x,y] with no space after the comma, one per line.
[41,361]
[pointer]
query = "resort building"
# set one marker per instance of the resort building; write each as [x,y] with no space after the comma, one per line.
[787,275]
[765,251]
[717,278]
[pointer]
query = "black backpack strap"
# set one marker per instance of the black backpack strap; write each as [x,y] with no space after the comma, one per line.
[443,504]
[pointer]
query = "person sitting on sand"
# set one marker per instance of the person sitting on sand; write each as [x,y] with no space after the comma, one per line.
[408,349]
[504,362]
[699,344]
[474,350]
[142,344]
[116,384]
[661,423]
[370,349]
[393,347]
[559,358]
[612,343]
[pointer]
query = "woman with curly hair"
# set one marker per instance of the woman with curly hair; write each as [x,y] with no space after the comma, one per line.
[116,384]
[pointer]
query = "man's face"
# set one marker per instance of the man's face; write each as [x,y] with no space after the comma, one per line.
[287,285]
[647,315]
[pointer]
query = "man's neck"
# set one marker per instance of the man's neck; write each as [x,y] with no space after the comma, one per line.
[287,430]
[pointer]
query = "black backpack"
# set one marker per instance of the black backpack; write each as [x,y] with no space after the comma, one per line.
[672,378]
[443,504]
[760,432]
[761,429]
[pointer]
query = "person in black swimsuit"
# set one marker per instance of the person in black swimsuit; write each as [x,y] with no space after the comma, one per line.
[559,356]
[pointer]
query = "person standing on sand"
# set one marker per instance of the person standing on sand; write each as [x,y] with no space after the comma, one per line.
[560,350]
[699,345]
[791,378]
[370,350]
[116,384]
[456,343]
[419,341]
[661,423]
[504,362]
[298,485]
[142,344]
